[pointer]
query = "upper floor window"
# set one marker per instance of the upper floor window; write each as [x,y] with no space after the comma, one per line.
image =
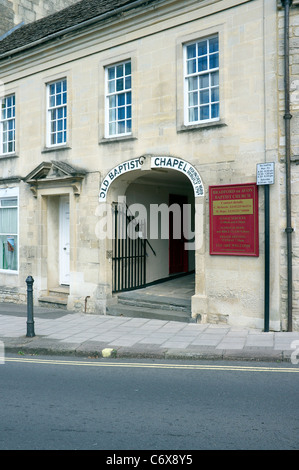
[9,229]
[57,113]
[202,81]
[118,99]
[7,124]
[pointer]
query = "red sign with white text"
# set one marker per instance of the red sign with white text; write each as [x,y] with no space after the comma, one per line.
[234,220]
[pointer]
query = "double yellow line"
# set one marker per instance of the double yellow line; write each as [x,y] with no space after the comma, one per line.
[143,365]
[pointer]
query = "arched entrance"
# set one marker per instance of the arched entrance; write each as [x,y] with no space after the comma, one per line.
[158,199]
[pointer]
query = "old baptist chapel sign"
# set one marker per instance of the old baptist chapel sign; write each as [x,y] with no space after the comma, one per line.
[171,163]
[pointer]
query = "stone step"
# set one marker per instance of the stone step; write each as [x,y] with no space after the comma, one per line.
[154,301]
[151,313]
[60,291]
[55,299]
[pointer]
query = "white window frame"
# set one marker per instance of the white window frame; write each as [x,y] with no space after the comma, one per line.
[118,100]
[7,119]
[205,84]
[11,193]
[57,104]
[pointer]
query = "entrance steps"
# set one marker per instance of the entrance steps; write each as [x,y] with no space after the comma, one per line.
[139,304]
[56,298]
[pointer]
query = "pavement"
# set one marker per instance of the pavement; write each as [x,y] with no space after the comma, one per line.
[61,332]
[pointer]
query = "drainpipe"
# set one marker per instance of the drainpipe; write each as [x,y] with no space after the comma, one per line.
[287,119]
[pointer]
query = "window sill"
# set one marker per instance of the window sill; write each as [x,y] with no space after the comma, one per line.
[54,149]
[8,271]
[199,127]
[8,155]
[113,140]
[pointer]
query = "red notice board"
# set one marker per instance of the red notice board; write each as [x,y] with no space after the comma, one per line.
[234,220]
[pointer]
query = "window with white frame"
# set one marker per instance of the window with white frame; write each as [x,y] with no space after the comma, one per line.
[9,229]
[7,125]
[57,113]
[202,81]
[118,99]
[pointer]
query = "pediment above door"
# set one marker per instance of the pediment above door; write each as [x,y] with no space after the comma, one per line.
[55,174]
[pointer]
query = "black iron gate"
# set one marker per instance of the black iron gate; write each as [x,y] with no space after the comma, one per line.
[129,251]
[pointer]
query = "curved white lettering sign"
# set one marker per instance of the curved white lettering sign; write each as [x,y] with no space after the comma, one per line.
[156,162]
[182,166]
[118,170]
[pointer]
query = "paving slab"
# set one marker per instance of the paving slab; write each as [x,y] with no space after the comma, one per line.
[63,332]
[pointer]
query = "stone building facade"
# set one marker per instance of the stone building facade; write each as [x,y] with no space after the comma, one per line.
[142,104]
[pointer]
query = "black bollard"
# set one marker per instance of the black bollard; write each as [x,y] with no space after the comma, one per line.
[30,321]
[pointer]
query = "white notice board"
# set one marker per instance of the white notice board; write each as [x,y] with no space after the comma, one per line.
[265,173]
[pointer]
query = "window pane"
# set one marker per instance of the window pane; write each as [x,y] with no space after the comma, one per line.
[202,48]
[9,252]
[214,78]
[112,128]
[128,68]
[112,101]
[121,99]
[121,113]
[52,101]
[202,63]
[204,97]
[121,127]
[129,98]
[119,71]
[192,83]
[214,61]
[213,44]
[193,99]
[9,201]
[215,111]
[204,81]
[8,220]
[191,51]
[127,83]
[111,73]
[111,87]
[112,115]
[215,94]
[191,66]
[119,84]
[193,114]
[204,113]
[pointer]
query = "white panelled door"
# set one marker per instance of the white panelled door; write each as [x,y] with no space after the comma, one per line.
[64,241]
